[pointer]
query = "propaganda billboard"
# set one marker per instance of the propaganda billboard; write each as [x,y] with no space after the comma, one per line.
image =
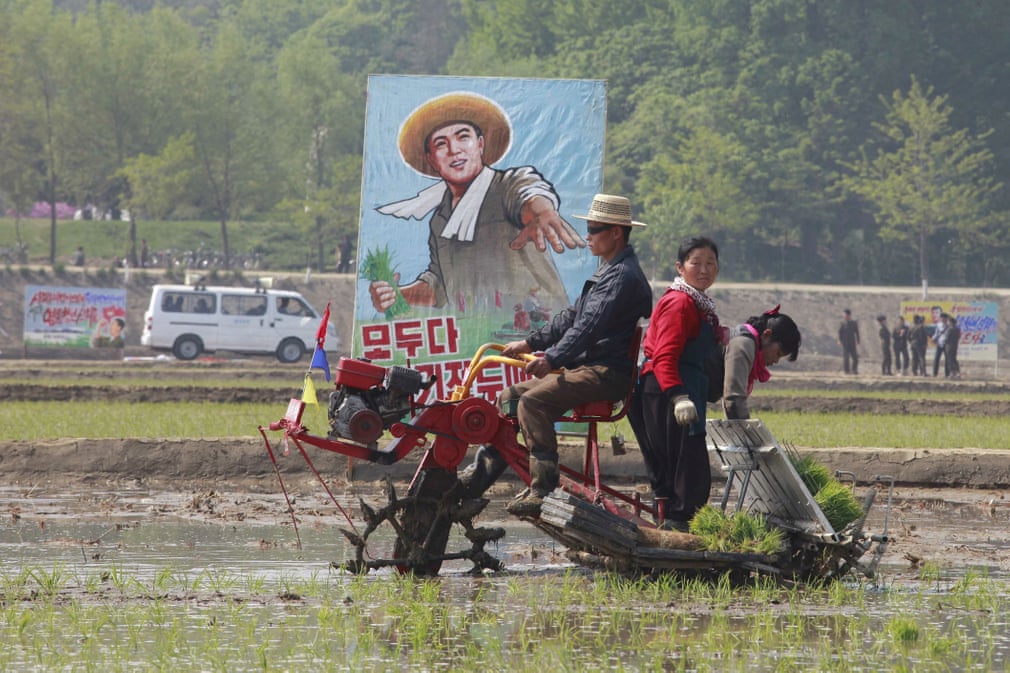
[467,235]
[74,317]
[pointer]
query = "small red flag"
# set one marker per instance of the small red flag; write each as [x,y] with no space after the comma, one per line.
[321,332]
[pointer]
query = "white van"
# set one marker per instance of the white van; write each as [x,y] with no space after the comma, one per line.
[190,320]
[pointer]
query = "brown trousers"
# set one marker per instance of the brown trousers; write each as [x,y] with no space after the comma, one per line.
[543,401]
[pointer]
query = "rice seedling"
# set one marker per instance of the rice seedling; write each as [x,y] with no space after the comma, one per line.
[15,586]
[890,430]
[163,580]
[567,621]
[103,419]
[124,582]
[737,532]
[157,381]
[52,582]
[941,647]
[966,582]
[97,420]
[814,475]
[917,395]
[930,572]
[220,581]
[839,505]
[842,593]
[903,630]
[836,500]
[764,589]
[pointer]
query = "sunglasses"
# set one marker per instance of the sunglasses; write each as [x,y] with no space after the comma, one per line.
[596,229]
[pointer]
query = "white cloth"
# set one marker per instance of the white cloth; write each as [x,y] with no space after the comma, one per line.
[463,222]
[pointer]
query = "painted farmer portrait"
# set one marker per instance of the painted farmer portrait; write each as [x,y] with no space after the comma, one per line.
[491,230]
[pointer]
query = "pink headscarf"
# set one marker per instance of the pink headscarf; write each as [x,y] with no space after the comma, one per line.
[758,371]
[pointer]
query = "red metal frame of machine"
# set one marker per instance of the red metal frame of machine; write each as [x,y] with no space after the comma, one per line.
[460,422]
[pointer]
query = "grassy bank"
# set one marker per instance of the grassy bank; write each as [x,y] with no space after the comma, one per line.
[198,420]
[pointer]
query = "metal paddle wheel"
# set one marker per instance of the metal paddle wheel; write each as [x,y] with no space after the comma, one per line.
[422,521]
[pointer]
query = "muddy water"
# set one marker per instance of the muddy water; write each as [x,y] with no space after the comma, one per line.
[940,541]
[947,532]
[144,532]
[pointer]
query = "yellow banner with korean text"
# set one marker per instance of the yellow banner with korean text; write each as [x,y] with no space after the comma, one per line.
[978,322]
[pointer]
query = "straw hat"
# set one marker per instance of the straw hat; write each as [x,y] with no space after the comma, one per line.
[610,209]
[450,108]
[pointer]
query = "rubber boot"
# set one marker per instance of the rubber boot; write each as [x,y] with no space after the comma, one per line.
[478,476]
[544,475]
[544,478]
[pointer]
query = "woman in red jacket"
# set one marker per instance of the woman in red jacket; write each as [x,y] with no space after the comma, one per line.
[667,409]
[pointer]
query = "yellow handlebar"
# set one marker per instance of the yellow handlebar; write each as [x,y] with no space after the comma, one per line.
[480,362]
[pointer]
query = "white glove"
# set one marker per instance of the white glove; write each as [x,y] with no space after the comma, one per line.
[684,410]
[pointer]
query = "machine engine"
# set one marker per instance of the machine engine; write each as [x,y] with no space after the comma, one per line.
[369,398]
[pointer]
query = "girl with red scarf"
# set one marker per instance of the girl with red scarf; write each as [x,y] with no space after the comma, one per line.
[756,345]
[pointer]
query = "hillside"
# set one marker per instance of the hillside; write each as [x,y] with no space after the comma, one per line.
[816,308]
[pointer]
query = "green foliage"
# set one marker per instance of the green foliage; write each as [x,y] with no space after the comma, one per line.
[757,122]
[925,178]
[158,184]
[706,183]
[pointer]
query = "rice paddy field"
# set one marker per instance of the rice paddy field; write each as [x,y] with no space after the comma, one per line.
[153,586]
[148,574]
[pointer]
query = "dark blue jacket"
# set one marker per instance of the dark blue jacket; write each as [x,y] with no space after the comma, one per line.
[599,328]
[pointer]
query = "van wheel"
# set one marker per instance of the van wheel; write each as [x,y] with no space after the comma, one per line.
[187,347]
[290,350]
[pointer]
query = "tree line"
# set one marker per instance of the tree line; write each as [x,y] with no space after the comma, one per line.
[826,141]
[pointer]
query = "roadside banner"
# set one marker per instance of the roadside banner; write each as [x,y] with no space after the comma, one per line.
[459,176]
[978,320]
[74,317]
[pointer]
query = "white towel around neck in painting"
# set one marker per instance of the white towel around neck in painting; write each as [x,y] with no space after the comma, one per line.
[463,222]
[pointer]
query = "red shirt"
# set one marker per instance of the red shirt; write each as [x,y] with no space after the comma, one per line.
[675,321]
